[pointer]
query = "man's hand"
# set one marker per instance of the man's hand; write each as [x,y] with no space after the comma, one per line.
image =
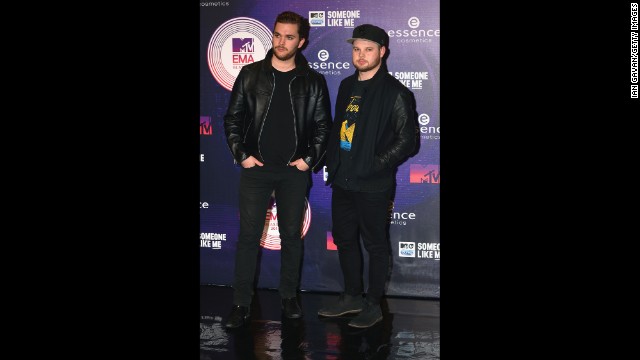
[300,164]
[250,162]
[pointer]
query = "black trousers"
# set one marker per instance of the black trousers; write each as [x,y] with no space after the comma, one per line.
[256,186]
[362,214]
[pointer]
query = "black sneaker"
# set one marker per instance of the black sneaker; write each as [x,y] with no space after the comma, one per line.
[239,316]
[371,314]
[291,309]
[346,304]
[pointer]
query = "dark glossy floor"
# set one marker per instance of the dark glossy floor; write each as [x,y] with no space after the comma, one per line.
[410,330]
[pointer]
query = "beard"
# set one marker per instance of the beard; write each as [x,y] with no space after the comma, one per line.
[367,67]
[286,56]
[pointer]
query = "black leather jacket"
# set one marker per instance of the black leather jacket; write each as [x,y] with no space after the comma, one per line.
[250,101]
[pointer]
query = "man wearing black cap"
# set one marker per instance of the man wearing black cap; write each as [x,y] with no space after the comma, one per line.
[374,130]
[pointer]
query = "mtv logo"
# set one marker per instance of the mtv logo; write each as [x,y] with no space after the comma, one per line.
[419,174]
[242,44]
[205,125]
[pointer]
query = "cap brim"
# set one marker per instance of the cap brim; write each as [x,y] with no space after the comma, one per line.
[350,41]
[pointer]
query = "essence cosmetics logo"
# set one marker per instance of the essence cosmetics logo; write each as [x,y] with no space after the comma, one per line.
[428,131]
[205,125]
[421,174]
[234,44]
[399,218]
[413,35]
[323,55]
[326,67]
[271,234]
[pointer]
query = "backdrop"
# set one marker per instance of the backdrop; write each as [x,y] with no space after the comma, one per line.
[238,32]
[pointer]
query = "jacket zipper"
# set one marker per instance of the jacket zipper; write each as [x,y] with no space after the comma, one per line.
[295,131]
[264,119]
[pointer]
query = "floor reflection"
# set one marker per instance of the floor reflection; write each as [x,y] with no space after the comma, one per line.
[410,330]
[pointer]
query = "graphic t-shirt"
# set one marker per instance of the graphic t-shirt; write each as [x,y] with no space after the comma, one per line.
[344,177]
[350,116]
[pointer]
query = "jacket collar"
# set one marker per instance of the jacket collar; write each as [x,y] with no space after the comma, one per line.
[378,75]
[382,70]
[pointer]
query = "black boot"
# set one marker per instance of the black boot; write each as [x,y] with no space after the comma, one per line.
[291,309]
[239,316]
[346,304]
[370,314]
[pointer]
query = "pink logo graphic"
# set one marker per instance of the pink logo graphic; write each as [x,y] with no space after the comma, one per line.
[420,174]
[234,44]
[330,244]
[271,235]
[205,125]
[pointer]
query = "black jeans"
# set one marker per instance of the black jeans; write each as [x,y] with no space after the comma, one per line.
[256,186]
[364,214]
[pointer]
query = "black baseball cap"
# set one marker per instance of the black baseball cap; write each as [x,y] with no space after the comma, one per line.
[371,33]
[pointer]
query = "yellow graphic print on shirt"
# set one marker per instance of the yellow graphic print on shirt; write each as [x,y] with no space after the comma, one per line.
[349,125]
[346,135]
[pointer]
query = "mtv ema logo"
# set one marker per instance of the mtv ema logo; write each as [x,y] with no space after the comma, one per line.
[407,249]
[421,174]
[234,44]
[270,238]
[242,45]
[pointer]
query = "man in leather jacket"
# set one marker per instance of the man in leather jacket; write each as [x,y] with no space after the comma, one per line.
[374,130]
[277,125]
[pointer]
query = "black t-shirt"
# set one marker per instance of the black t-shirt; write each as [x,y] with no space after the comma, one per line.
[278,138]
